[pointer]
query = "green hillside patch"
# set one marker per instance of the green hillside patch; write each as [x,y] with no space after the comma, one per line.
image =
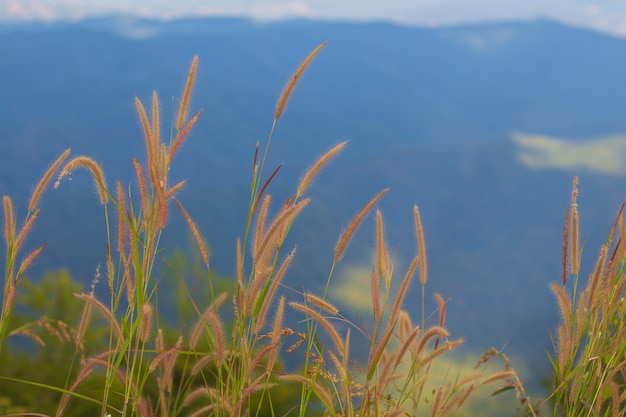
[605,155]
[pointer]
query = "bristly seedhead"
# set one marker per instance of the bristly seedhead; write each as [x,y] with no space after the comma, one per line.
[93,168]
[575,250]
[41,185]
[317,166]
[9,221]
[284,97]
[184,102]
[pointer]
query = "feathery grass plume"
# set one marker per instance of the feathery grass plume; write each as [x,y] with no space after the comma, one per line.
[498,376]
[593,295]
[47,176]
[146,322]
[284,96]
[380,244]
[271,291]
[181,136]
[405,346]
[169,363]
[27,262]
[437,351]
[143,188]
[147,131]
[200,325]
[104,310]
[565,304]
[218,334]
[202,363]
[95,170]
[437,401]
[441,305]
[321,393]
[343,377]
[9,221]
[574,248]
[345,237]
[82,327]
[286,216]
[565,245]
[156,134]
[202,246]
[419,231]
[321,303]
[317,166]
[377,351]
[435,331]
[260,224]
[184,102]
[404,287]
[121,216]
[375,293]
[323,321]
[278,324]
[25,230]
[10,288]
[163,355]
[174,189]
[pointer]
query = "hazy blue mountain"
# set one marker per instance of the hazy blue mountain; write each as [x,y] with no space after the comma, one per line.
[429,113]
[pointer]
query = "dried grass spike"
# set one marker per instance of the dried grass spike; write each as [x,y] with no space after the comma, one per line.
[47,176]
[146,322]
[284,97]
[27,262]
[575,250]
[317,166]
[321,303]
[345,237]
[93,168]
[419,231]
[156,135]
[9,221]
[565,245]
[323,321]
[26,228]
[180,137]
[184,102]
[202,246]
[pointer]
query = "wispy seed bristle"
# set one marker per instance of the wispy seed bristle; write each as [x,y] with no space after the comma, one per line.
[93,168]
[26,263]
[345,237]
[47,176]
[9,221]
[146,322]
[121,216]
[317,166]
[419,231]
[202,246]
[184,102]
[321,303]
[180,137]
[574,237]
[565,245]
[323,321]
[284,97]
[143,189]
[26,228]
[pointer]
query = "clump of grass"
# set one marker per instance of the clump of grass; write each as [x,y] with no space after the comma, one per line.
[230,365]
[589,362]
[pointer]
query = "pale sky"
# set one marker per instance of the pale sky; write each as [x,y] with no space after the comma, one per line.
[603,15]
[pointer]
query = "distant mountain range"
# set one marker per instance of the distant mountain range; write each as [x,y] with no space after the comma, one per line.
[483,126]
